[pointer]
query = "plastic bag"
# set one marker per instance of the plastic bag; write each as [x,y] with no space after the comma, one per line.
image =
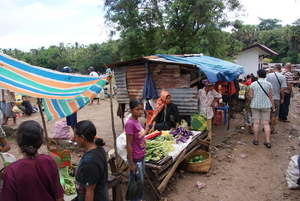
[61,130]
[292,173]
[198,122]
[135,188]
[121,146]
[184,124]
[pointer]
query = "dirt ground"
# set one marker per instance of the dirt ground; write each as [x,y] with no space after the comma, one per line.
[260,176]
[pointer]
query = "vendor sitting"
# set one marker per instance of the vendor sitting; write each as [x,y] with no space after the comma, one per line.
[165,115]
[26,106]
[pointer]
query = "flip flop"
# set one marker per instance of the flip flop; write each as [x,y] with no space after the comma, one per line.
[255,142]
[251,132]
[267,144]
[273,132]
[285,121]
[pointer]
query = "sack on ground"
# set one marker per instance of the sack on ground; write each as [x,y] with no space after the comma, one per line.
[292,173]
[198,122]
[61,130]
[135,188]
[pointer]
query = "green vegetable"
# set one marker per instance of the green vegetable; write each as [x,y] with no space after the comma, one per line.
[196,158]
[201,157]
[158,148]
[69,184]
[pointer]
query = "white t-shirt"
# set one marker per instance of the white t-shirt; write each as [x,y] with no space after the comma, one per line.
[93,73]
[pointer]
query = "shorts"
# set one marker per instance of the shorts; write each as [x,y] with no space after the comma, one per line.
[263,114]
[277,105]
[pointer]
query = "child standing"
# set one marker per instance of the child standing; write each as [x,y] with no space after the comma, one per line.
[135,141]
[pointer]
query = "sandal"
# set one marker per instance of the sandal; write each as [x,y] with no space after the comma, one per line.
[273,132]
[267,144]
[255,142]
[286,121]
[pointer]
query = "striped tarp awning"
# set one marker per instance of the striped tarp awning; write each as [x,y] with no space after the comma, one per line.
[62,93]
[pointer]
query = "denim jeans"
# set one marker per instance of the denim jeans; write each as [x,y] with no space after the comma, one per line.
[284,107]
[139,171]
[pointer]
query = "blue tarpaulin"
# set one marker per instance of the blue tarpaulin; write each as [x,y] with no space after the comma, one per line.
[149,89]
[214,69]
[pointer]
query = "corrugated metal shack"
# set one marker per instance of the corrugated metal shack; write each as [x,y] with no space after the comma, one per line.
[174,77]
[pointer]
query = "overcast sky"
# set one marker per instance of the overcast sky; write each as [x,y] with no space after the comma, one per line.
[27,24]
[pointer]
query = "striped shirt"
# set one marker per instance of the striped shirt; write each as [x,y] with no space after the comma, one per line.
[260,100]
[289,79]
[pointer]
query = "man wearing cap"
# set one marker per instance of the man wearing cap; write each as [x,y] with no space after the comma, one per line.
[207,97]
[92,71]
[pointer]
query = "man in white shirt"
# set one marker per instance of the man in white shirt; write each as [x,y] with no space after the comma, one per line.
[93,73]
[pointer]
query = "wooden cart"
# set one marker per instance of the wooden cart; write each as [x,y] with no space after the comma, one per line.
[160,173]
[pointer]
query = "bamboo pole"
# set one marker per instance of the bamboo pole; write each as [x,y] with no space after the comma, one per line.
[43,118]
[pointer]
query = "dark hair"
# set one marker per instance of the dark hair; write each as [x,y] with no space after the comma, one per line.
[30,137]
[135,102]
[277,66]
[261,73]
[88,130]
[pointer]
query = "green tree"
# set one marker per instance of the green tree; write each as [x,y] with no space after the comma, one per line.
[268,24]
[178,27]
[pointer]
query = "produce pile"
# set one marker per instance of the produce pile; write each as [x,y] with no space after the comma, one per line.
[159,147]
[197,159]
[66,175]
[181,135]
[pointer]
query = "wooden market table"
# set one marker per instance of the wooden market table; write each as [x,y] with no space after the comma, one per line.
[160,173]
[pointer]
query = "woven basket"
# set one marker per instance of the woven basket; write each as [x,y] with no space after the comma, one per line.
[203,166]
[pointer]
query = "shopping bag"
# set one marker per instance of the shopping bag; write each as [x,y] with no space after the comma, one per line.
[135,188]
[198,122]
[61,130]
[184,124]
[61,157]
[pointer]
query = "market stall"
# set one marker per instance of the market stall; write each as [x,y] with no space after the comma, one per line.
[158,171]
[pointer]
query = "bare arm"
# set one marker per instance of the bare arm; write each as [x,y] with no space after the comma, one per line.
[271,98]
[5,145]
[89,196]
[251,94]
[129,139]
[290,87]
[281,95]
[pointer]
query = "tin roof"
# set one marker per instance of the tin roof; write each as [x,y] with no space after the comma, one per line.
[264,48]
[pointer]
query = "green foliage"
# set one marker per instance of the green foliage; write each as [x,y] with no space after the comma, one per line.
[77,57]
[268,24]
[171,27]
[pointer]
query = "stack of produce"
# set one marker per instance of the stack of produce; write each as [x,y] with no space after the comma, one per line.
[181,135]
[197,159]
[159,147]
[67,179]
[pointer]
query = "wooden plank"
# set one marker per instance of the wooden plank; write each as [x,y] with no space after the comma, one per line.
[164,183]
[171,82]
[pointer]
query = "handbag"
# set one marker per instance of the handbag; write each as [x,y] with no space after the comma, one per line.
[61,157]
[135,188]
[198,122]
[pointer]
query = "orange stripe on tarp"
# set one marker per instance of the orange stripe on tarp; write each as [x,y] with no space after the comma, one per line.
[52,109]
[48,82]
[89,94]
[73,105]
[32,94]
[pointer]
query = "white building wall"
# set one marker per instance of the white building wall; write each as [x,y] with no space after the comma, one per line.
[249,60]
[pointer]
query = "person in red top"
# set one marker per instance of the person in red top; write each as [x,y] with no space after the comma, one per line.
[35,176]
[248,81]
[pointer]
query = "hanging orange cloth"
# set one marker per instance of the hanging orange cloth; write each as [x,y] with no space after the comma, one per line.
[159,105]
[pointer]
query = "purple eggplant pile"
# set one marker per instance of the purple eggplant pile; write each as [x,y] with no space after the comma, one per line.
[181,135]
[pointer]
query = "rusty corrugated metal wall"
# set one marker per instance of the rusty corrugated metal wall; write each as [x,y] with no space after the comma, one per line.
[122,94]
[130,83]
[185,98]
[135,78]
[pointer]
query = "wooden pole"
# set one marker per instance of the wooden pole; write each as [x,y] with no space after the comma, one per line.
[113,128]
[43,118]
